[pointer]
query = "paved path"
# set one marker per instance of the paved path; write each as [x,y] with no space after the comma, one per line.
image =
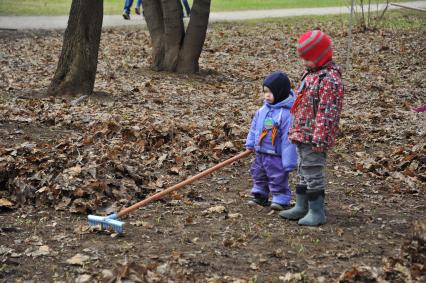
[60,22]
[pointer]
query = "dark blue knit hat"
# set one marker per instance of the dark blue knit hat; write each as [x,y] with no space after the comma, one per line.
[279,84]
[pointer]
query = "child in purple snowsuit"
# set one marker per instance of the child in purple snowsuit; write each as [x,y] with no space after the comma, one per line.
[268,136]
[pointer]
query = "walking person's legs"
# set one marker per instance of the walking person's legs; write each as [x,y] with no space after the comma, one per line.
[138,7]
[187,8]
[126,11]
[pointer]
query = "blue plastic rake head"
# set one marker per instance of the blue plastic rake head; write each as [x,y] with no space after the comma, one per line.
[107,222]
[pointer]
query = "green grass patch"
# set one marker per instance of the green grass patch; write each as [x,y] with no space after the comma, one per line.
[233,5]
[404,19]
[397,19]
[111,7]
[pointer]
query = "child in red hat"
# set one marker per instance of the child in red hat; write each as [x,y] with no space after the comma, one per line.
[316,117]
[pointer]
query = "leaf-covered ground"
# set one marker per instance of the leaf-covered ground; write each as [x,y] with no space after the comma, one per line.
[61,158]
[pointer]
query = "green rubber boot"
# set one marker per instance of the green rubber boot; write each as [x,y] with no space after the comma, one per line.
[316,214]
[301,207]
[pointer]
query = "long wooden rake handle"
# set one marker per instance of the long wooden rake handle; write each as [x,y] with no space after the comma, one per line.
[183,183]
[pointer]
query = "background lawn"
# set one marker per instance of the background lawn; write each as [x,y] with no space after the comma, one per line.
[61,7]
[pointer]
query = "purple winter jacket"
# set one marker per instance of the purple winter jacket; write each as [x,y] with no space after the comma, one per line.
[280,114]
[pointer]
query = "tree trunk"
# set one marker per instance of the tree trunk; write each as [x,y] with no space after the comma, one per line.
[154,19]
[172,49]
[195,36]
[174,32]
[76,71]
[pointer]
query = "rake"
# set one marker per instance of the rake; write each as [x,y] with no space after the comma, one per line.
[112,221]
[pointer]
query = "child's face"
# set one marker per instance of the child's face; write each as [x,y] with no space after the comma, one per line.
[308,64]
[267,94]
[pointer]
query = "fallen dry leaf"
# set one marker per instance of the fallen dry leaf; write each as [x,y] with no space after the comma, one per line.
[6,203]
[215,209]
[78,259]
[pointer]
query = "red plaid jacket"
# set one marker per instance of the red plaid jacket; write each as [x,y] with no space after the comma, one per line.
[316,118]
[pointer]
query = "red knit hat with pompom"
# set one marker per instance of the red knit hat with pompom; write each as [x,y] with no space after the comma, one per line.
[315,46]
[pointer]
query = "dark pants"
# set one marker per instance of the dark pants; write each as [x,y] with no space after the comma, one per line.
[311,167]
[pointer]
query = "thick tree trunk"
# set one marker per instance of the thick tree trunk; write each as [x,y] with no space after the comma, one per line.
[76,71]
[194,38]
[167,30]
[172,50]
[154,19]
[174,32]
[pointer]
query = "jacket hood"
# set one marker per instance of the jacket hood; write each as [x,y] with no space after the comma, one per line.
[279,84]
[287,103]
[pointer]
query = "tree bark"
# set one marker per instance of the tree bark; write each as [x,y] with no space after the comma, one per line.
[154,20]
[76,71]
[174,32]
[195,37]
[172,49]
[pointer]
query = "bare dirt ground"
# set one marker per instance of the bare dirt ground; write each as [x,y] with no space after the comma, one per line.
[61,158]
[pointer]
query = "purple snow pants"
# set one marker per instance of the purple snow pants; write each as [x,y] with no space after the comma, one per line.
[269,176]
